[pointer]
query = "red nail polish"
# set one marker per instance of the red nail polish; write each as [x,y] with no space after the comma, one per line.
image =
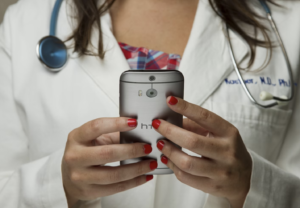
[132,122]
[164,160]
[147,149]
[153,165]
[149,177]
[156,123]
[173,101]
[160,145]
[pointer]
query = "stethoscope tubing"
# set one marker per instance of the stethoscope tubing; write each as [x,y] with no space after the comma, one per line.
[54,17]
[287,61]
[278,37]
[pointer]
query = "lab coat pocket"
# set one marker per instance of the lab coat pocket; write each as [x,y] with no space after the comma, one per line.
[262,130]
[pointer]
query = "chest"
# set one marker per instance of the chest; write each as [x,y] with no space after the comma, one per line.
[157,25]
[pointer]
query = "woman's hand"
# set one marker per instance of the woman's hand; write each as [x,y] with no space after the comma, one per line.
[91,146]
[224,168]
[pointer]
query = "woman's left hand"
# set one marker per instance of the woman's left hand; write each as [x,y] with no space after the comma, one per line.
[224,168]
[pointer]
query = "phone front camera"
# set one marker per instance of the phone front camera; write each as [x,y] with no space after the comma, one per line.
[151,93]
[152,78]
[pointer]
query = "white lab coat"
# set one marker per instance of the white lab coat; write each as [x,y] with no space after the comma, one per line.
[39,109]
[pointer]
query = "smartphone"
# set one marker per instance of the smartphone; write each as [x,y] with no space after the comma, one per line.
[143,96]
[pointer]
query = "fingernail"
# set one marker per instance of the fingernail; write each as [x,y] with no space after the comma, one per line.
[156,123]
[173,101]
[149,177]
[147,149]
[132,122]
[160,145]
[153,165]
[164,160]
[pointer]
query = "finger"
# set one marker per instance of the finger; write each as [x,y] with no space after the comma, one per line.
[201,145]
[192,126]
[93,129]
[100,155]
[107,190]
[208,120]
[109,175]
[198,182]
[107,139]
[193,165]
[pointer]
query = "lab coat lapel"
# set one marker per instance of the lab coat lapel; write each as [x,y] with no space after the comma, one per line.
[106,73]
[206,61]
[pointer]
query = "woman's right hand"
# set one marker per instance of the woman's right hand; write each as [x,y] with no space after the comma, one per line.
[90,147]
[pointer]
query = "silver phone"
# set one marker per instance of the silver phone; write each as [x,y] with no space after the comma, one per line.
[143,96]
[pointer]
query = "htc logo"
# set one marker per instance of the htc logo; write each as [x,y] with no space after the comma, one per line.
[145,126]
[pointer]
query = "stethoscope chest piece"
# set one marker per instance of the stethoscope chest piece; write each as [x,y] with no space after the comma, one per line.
[52,52]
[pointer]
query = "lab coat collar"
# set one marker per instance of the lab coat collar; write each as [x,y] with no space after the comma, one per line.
[105,73]
[205,62]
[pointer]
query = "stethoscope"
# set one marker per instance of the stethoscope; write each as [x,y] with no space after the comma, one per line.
[52,52]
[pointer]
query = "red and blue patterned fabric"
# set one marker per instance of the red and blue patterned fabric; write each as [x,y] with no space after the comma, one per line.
[140,58]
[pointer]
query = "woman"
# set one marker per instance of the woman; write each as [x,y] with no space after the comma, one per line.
[50,122]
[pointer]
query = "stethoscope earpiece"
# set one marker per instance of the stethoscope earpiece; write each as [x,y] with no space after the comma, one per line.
[52,52]
[264,96]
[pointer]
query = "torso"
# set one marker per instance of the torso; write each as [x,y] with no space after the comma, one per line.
[158,25]
[51,105]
